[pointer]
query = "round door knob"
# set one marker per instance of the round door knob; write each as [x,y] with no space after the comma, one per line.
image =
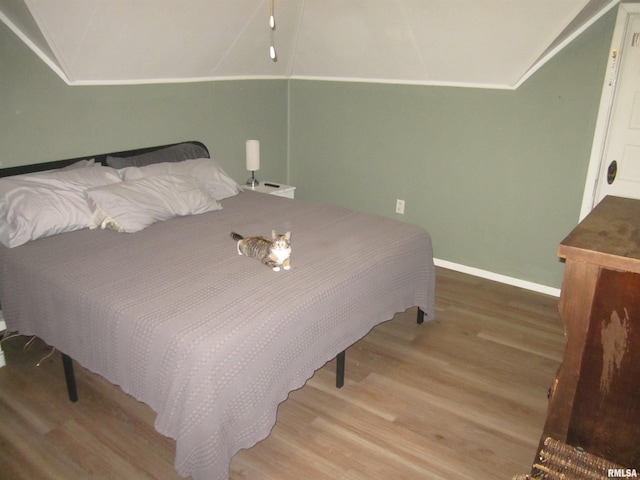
[611,172]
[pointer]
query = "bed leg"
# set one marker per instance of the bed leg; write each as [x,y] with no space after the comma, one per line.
[340,369]
[70,377]
[420,316]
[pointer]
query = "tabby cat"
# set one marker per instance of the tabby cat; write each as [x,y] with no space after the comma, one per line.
[274,252]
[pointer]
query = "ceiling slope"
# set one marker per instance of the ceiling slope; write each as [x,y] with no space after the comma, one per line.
[481,43]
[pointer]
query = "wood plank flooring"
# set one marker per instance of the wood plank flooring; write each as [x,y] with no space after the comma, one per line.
[463,397]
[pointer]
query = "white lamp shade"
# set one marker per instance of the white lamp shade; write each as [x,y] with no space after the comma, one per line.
[253,155]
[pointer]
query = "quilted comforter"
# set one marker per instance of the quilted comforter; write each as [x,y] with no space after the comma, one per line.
[210,340]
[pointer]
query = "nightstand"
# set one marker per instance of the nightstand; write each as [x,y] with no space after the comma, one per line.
[273,188]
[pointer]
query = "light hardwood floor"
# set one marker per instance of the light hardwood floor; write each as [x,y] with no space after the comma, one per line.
[463,397]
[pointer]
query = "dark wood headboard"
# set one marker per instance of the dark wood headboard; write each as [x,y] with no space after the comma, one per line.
[101,158]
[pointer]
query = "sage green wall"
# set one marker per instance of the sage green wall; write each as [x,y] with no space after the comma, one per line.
[41,118]
[495,176]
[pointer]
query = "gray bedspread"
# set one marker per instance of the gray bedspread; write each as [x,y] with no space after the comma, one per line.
[210,340]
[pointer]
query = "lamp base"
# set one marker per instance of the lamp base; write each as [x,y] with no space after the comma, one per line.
[253,181]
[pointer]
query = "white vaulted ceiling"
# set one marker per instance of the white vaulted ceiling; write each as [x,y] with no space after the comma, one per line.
[486,43]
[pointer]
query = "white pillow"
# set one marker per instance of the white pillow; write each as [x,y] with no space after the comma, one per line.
[132,205]
[47,203]
[206,170]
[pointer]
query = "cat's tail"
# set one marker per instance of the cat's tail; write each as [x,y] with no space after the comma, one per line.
[236,236]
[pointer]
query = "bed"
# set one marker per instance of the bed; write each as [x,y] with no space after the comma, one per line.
[210,340]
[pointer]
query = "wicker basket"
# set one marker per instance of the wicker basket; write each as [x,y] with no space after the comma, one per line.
[559,461]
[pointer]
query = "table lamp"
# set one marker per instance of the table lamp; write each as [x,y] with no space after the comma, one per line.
[253,161]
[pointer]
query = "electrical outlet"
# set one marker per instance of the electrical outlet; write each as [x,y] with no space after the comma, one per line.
[400,206]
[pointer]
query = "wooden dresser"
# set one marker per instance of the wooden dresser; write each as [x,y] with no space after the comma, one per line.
[595,398]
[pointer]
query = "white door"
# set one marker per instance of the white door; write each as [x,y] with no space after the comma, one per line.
[615,160]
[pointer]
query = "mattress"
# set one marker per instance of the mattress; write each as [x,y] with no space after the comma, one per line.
[210,340]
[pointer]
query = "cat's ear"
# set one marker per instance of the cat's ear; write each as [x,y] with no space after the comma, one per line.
[287,236]
[274,235]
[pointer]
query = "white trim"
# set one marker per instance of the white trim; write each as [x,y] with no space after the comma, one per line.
[392,81]
[606,102]
[152,81]
[146,81]
[497,277]
[51,64]
[554,51]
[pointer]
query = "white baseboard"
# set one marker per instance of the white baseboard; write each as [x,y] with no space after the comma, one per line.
[516,282]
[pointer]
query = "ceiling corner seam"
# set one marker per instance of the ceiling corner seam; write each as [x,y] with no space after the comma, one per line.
[413,38]
[294,43]
[35,49]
